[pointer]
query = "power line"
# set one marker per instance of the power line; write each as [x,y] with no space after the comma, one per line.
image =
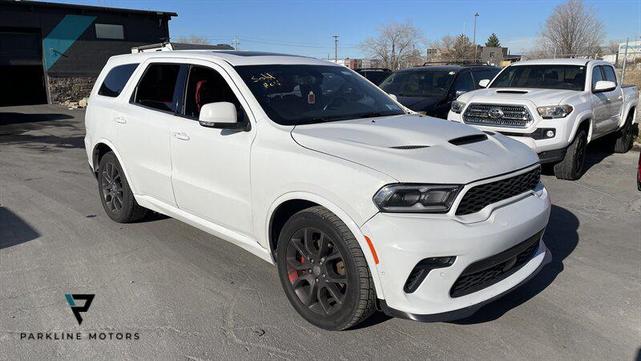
[280,43]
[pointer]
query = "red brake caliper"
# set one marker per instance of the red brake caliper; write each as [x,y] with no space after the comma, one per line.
[293,274]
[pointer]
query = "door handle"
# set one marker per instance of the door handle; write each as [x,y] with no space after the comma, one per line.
[181,135]
[120,120]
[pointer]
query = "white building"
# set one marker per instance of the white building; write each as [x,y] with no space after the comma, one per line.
[634,50]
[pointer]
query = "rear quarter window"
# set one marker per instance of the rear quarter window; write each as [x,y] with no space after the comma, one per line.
[116,80]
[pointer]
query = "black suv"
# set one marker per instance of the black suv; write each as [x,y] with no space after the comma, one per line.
[375,75]
[431,89]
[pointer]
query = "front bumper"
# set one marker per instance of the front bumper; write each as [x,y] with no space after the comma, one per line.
[402,240]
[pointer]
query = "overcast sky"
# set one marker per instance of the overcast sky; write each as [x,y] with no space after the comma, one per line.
[306,27]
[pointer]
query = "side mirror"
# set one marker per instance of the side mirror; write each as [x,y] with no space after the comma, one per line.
[221,115]
[458,93]
[604,86]
[393,97]
[484,83]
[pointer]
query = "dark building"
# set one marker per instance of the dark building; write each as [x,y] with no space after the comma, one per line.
[52,52]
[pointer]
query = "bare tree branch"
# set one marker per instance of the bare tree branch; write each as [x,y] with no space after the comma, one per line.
[572,30]
[192,39]
[455,49]
[396,46]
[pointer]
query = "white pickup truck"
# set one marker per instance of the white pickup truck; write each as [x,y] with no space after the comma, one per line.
[556,107]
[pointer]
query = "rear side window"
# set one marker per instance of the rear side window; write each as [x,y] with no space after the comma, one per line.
[116,80]
[157,88]
[609,74]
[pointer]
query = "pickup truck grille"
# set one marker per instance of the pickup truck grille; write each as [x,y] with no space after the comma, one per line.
[478,197]
[497,115]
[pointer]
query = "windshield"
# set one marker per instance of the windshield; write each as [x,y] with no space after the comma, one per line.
[305,94]
[419,83]
[566,77]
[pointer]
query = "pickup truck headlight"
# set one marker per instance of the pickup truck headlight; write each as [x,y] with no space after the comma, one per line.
[554,111]
[416,198]
[457,106]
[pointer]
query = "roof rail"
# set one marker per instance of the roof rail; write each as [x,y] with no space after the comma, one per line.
[168,46]
[454,62]
[375,68]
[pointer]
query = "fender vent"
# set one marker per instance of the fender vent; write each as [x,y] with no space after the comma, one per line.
[408,147]
[468,139]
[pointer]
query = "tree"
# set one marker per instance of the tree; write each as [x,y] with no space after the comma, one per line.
[396,45]
[612,47]
[572,30]
[458,48]
[493,41]
[192,39]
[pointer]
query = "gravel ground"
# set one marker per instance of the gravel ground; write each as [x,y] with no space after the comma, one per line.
[191,296]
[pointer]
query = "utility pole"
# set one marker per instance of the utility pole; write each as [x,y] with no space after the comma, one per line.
[474,41]
[335,48]
[625,59]
[236,42]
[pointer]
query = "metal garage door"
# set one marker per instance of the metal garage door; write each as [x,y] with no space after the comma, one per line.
[22,78]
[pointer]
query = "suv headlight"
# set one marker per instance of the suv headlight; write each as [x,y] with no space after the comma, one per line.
[554,111]
[416,198]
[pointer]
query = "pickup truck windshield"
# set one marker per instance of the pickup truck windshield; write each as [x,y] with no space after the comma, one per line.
[566,77]
[419,83]
[305,94]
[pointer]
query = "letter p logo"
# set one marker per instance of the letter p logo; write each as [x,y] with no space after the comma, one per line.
[71,300]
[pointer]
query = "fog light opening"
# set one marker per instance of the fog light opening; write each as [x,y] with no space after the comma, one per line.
[423,268]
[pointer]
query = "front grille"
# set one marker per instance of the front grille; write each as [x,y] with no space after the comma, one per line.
[480,196]
[498,115]
[489,271]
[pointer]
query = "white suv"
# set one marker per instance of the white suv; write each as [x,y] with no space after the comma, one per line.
[308,165]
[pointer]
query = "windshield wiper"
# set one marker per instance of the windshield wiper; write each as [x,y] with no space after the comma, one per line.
[374,115]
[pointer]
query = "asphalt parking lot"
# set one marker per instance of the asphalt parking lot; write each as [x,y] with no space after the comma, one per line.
[191,296]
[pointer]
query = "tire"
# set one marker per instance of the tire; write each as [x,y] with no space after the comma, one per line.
[625,137]
[335,292]
[115,194]
[573,164]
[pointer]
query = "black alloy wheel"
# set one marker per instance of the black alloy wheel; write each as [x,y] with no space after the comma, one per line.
[111,187]
[316,270]
[323,270]
[115,194]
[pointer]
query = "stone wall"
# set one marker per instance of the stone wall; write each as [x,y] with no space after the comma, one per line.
[69,89]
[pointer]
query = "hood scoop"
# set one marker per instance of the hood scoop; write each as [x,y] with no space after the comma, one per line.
[511,91]
[410,147]
[468,139]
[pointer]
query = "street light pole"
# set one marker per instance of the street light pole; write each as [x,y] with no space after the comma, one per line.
[335,48]
[474,41]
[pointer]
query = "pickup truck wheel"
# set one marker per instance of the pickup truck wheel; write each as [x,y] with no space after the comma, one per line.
[323,270]
[115,194]
[573,164]
[625,137]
